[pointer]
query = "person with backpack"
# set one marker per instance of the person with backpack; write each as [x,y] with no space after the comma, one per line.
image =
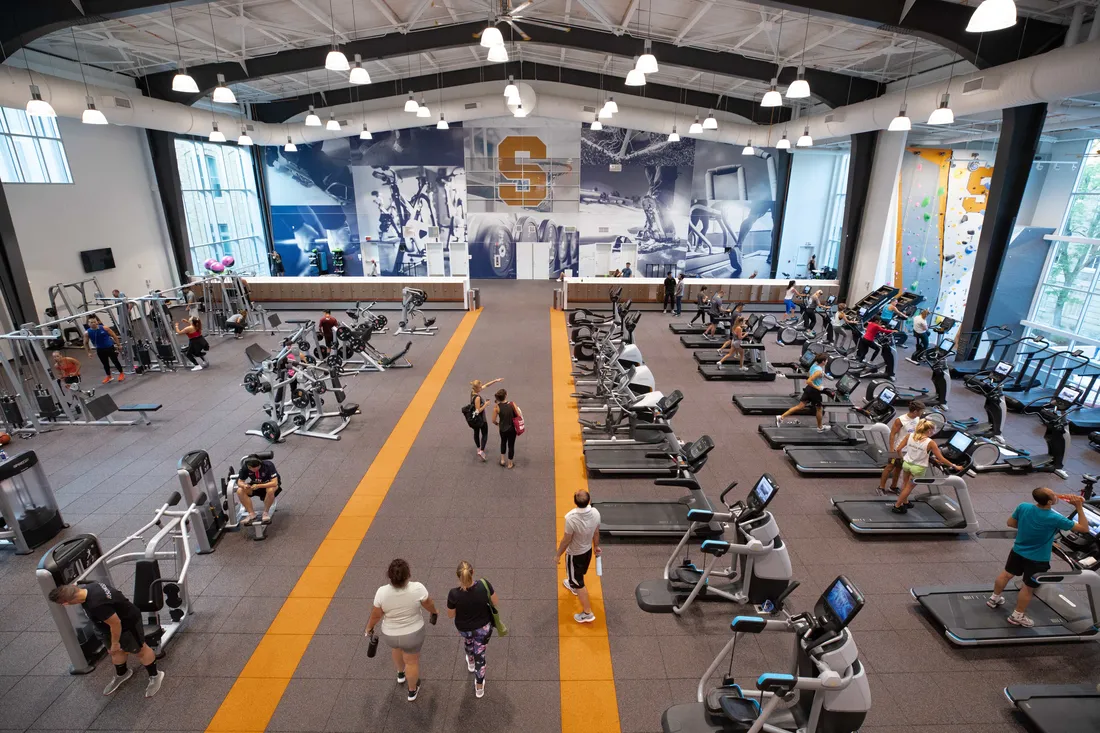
[509,418]
[471,604]
[474,411]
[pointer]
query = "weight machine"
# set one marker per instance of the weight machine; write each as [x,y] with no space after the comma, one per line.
[411,300]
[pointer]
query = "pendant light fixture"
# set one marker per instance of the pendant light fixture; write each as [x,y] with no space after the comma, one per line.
[38,107]
[216,135]
[244,139]
[290,147]
[181,82]
[422,110]
[943,115]
[604,113]
[359,75]
[993,15]
[312,120]
[784,143]
[498,54]
[520,111]
[332,125]
[696,128]
[442,124]
[710,123]
[610,105]
[511,91]
[596,124]
[772,98]
[674,137]
[336,60]
[222,93]
[748,149]
[800,88]
[805,141]
[410,104]
[491,37]
[635,78]
[365,134]
[91,116]
[647,62]
[902,123]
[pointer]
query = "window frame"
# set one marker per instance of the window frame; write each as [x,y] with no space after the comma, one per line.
[38,129]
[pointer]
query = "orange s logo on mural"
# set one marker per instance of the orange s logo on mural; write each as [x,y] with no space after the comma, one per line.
[979,191]
[530,188]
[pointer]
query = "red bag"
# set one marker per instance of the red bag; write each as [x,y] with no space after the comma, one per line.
[517,421]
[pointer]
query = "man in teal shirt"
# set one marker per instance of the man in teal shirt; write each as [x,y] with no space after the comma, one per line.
[1036,525]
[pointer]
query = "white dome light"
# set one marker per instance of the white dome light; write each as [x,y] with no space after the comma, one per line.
[992,15]
[710,123]
[216,135]
[336,61]
[222,93]
[674,137]
[312,120]
[520,111]
[604,113]
[38,107]
[748,149]
[772,98]
[332,124]
[784,144]
[410,103]
[596,124]
[805,141]
[422,110]
[511,90]
[244,139]
[365,134]
[799,88]
[611,106]
[901,123]
[497,55]
[647,62]
[358,74]
[92,116]
[491,37]
[182,82]
[942,115]
[442,124]
[635,78]
[696,128]
[290,147]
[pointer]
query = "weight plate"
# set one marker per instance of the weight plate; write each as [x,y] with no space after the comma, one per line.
[299,398]
[343,332]
[270,430]
[299,420]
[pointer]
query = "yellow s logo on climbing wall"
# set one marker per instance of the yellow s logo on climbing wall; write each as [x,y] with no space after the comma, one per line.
[513,155]
[979,191]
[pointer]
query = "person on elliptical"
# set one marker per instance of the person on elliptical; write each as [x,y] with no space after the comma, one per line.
[1036,526]
[66,369]
[839,323]
[328,325]
[700,306]
[811,394]
[717,313]
[197,345]
[481,425]
[790,299]
[874,328]
[669,284]
[118,624]
[809,315]
[902,425]
[735,343]
[504,416]
[917,451]
[920,333]
[579,542]
[106,344]
[257,478]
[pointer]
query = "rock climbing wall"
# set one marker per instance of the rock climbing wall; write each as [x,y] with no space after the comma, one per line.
[967,194]
[922,199]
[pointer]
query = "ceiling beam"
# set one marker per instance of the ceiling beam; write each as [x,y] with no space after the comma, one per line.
[327,22]
[598,14]
[628,16]
[831,88]
[695,18]
[283,110]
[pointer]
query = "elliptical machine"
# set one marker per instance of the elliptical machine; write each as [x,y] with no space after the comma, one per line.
[991,386]
[1054,412]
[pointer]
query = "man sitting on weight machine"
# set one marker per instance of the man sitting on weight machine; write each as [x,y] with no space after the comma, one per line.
[258,476]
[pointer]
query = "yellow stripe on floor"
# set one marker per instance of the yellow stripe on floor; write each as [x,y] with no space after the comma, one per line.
[588,702]
[255,695]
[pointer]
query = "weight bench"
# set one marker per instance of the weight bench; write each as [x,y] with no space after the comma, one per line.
[100,409]
[141,409]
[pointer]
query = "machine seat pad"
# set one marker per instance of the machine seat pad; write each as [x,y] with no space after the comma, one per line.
[147,407]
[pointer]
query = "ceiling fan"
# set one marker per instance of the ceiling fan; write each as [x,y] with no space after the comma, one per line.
[509,15]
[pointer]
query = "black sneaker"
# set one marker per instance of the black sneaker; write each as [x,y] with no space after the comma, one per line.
[899,509]
[908,505]
[413,693]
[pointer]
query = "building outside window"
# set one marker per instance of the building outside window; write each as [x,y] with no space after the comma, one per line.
[222,206]
[31,150]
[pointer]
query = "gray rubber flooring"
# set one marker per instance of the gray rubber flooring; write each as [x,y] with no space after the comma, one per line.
[445,506]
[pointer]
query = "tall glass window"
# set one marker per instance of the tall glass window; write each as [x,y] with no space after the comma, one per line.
[31,150]
[1083,214]
[222,206]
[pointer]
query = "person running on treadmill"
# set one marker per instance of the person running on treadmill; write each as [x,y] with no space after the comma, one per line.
[1036,526]
[259,477]
[735,343]
[790,299]
[117,621]
[717,312]
[811,394]
[917,451]
[700,306]
[874,328]
[669,304]
[579,542]
[902,425]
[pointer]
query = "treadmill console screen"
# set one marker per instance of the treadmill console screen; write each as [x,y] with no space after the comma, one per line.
[805,289]
[699,448]
[1069,395]
[807,359]
[1003,369]
[862,312]
[842,602]
[847,384]
[887,396]
[960,442]
[830,300]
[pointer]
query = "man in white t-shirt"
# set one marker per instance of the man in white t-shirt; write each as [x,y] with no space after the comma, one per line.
[901,426]
[580,540]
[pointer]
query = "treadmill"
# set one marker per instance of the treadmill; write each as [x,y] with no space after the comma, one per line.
[665,518]
[863,459]
[1058,708]
[994,336]
[932,513]
[777,404]
[646,461]
[1065,365]
[1060,614]
[878,410]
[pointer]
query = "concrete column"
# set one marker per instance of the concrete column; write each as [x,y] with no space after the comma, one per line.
[875,233]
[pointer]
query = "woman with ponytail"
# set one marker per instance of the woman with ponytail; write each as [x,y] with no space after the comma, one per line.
[468,605]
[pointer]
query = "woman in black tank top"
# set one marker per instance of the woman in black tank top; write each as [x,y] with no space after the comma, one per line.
[504,412]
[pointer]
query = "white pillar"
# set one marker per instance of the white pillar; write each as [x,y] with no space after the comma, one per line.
[878,233]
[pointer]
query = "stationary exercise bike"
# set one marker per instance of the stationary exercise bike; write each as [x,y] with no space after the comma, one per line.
[1054,412]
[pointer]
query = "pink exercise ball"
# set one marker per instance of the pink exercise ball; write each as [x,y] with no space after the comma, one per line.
[217,267]
[208,263]
[228,260]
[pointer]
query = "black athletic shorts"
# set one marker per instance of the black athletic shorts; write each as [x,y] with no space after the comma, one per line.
[131,640]
[576,567]
[1020,565]
[811,396]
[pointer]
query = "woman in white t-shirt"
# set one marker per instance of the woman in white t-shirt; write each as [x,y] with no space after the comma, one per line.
[917,451]
[902,426]
[397,605]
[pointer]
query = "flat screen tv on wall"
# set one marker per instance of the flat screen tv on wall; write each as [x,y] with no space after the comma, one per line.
[95,260]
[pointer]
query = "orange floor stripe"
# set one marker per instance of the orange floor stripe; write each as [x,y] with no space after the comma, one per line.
[256,694]
[588,700]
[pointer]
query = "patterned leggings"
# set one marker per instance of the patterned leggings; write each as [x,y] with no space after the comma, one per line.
[475,642]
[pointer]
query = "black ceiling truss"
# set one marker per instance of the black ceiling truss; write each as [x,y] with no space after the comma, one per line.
[426,85]
[831,88]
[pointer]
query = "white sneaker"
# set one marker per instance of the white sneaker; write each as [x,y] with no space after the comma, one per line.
[1019,619]
[197,368]
[479,690]
[469,663]
[565,582]
[116,682]
[154,684]
[587,618]
[778,421]
[994,601]
[824,428]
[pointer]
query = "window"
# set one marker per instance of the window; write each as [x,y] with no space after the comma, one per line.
[834,228]
[222,206]
[31,150]
[1083,213]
